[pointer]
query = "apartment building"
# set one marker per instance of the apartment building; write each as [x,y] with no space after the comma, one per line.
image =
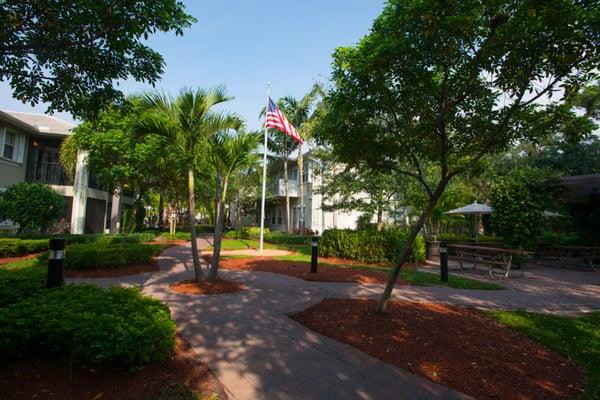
[29,152]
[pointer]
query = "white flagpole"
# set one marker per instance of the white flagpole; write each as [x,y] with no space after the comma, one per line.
[264,178]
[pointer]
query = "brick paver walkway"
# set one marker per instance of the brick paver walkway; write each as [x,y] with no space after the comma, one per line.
[259,353]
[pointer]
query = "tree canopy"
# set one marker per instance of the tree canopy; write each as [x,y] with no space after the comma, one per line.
[444,83]
[70,54]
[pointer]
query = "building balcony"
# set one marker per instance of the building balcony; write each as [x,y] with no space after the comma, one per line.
[54,174]
[47,173]
[278,188]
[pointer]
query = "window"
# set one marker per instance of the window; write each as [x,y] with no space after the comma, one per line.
[305,173]
[11,145]
[279,216]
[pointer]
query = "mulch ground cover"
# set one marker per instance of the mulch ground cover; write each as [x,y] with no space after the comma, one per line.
[34,379]
[219,287]
[454,346]
[302,270]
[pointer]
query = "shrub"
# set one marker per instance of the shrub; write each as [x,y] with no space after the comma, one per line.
[250,232]
[87,256]
[286,238]
[11,247]
[91,324]
[560,239]
[459,238]
[20,280]
[368,245]
[519,200]
[31,205]
[177,236]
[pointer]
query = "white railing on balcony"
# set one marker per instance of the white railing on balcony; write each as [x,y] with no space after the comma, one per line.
[278,188]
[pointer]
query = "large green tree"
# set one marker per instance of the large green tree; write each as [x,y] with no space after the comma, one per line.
[70,53]
[444,83]
[188,122]
[229,155]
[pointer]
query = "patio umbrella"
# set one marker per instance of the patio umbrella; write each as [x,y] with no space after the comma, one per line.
[472,209]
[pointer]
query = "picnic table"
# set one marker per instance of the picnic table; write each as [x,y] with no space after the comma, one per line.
[564,256]
[492,257]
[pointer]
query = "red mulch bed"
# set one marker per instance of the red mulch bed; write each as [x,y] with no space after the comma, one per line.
[454,346]
[7,260]
[219,287]
[325,273]
[52,379]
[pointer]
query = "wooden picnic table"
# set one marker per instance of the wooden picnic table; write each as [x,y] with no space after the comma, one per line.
[492,257]
[569,255]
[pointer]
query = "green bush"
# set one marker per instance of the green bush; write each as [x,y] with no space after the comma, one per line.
[461,238]
[250,232]
[560,239]
[177,236]
[90,324]
[11,247]
[87,256]
[286,238]
[31,205]
[20,280]
[368,245]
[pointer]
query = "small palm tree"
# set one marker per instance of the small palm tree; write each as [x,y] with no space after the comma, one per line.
[229,155]
[188,121]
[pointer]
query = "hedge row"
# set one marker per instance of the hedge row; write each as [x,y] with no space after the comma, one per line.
[20,280]
[15,247]
[462,238]
[91,324]
[276,237]
[368,245]
[87,256]
[12,247]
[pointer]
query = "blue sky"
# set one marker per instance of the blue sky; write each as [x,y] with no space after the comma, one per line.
[245,43]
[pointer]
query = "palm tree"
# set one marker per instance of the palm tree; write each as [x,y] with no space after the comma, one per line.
[229,155]
[301,113]
[283,145]
[189,121]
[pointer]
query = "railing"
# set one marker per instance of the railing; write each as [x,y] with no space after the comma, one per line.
[54,174]
[48,173]
[278,188]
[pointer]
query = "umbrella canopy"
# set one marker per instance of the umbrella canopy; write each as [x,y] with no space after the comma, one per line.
[472,209]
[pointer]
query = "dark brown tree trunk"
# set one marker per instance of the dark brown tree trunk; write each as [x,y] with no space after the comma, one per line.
[161,210]
[407,246]
[192,221]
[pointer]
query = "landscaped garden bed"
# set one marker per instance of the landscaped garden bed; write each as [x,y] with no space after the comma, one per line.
[182,376]
[219,287]
[458,347]
[336,270]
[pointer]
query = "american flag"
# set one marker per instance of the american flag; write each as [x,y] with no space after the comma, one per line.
[276,119]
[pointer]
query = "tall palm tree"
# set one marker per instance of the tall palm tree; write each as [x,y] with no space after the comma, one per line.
[283,145]
[189,121]
[301,113]
[229,155]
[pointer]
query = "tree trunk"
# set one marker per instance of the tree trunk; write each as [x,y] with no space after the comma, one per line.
[301,188]
[192,221]
[161,210]
[287,195]
[379,218]
[214,268]
[407,246]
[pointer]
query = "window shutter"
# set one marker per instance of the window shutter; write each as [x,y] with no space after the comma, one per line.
[2,131]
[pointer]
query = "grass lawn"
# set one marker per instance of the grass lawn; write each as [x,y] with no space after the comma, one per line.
[577,338]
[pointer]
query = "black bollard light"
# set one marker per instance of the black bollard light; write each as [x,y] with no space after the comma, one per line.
[444,261]
[56,263]
[314,244]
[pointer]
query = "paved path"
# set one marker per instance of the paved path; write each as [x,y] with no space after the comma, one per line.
[259,353]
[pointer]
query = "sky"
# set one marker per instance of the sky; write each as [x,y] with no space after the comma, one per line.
[244,44]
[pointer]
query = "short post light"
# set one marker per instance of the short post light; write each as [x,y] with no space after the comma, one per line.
[314,244]
[56,263]
[444,261]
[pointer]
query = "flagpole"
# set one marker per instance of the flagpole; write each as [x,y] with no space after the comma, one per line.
[264,177]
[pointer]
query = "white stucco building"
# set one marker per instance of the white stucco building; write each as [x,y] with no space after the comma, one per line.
[315,218]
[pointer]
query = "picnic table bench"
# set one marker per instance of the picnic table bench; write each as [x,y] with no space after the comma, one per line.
[564,256]
[492,257]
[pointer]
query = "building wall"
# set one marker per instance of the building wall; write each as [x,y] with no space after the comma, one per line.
[12,172]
